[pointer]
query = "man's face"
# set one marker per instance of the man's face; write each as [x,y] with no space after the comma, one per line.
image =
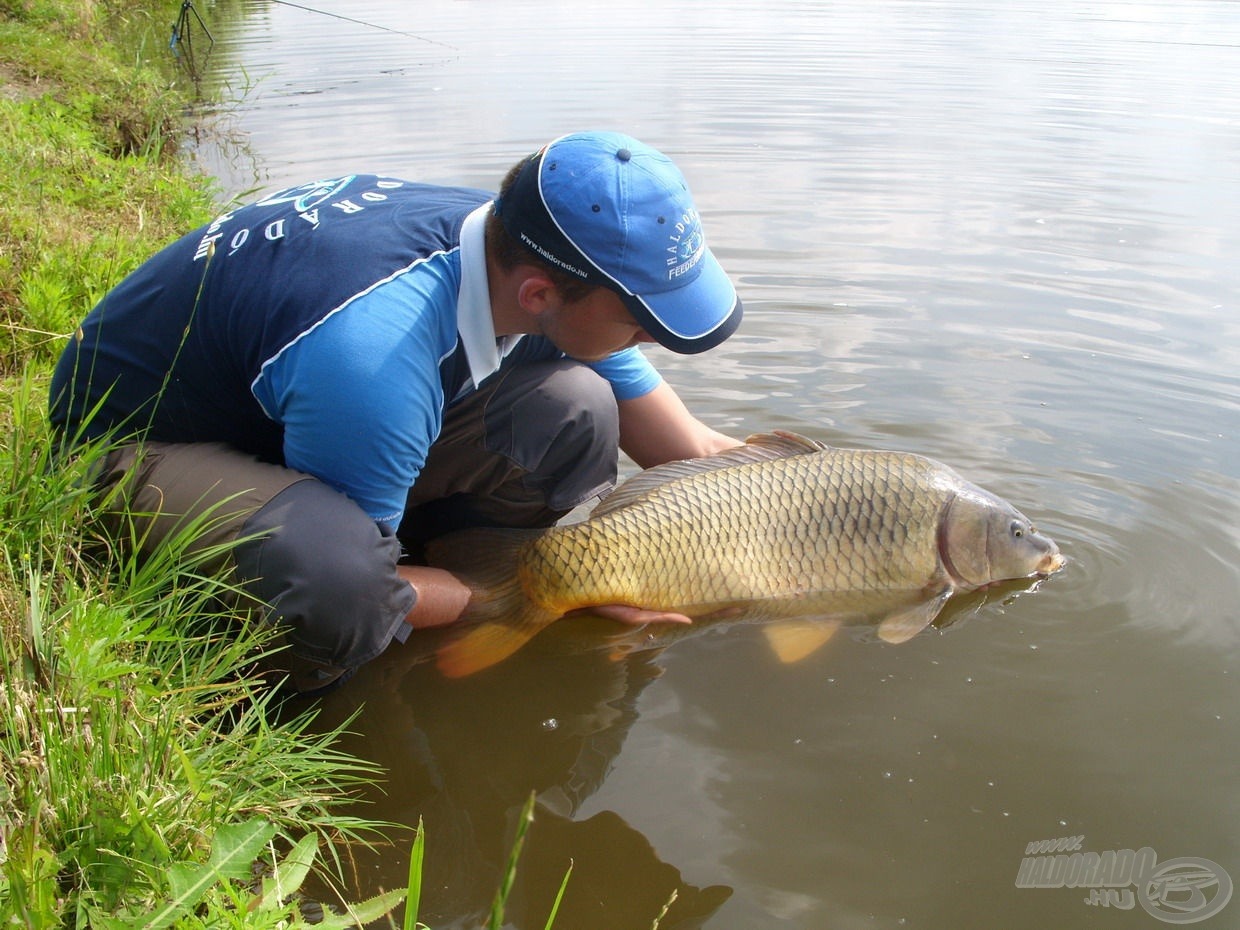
[592,328]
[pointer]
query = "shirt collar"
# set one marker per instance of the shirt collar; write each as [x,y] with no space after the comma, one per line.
[474,322]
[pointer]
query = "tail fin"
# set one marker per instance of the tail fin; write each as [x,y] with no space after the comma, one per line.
[505,619]
[489,643]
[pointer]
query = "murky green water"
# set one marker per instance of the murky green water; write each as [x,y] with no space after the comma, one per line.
[1001,234]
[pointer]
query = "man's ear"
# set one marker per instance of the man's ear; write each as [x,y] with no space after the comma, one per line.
[537,293]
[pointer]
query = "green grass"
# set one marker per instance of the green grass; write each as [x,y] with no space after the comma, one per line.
[144,773]
[87,135]
[135,739]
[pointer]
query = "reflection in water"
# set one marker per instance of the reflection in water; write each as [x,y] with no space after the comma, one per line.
[464,756]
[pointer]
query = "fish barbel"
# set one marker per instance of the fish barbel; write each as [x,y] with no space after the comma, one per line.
[778,519]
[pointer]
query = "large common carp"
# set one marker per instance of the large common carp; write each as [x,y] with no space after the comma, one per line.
[782,519]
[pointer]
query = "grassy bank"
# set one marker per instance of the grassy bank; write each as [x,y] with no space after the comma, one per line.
[87,143]
[142,774]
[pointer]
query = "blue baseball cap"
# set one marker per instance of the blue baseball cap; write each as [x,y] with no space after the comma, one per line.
[617,213]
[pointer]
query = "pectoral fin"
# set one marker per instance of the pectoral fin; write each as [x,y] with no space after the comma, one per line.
[903,625]
[794,640]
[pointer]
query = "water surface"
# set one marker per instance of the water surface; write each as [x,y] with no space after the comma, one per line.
[1004,235]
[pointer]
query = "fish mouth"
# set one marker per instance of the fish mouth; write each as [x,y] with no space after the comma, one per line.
[1051,563]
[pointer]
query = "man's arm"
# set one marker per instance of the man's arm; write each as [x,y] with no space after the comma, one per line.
[442,597]
[657,428]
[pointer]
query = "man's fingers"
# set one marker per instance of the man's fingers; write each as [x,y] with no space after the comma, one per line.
[636,616]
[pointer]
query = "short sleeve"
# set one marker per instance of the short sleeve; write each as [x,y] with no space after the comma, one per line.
[629,372]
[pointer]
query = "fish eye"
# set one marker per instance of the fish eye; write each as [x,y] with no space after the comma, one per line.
[1018,530]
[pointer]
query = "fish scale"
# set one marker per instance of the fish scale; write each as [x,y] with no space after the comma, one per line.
[841,519]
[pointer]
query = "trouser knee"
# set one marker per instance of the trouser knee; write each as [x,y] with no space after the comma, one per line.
[530,445]
[326,573]
[573,432]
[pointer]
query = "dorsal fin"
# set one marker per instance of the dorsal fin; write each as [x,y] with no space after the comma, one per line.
[759,447]
[781,443]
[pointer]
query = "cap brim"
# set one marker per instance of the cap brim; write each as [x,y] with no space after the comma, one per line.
[693,318]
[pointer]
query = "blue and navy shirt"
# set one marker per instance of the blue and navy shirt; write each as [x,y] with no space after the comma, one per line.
[324,327]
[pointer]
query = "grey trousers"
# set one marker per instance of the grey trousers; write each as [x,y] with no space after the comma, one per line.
[533,443]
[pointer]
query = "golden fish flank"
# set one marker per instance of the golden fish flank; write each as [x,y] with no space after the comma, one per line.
[781,517]
[752,532]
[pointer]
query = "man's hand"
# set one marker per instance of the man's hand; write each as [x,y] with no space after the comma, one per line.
[633,616]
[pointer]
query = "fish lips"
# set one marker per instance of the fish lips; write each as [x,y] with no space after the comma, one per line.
[1053,562]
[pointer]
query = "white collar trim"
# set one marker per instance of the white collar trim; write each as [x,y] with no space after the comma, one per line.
[474,322]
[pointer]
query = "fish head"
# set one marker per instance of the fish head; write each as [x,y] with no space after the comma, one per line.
[983,540]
